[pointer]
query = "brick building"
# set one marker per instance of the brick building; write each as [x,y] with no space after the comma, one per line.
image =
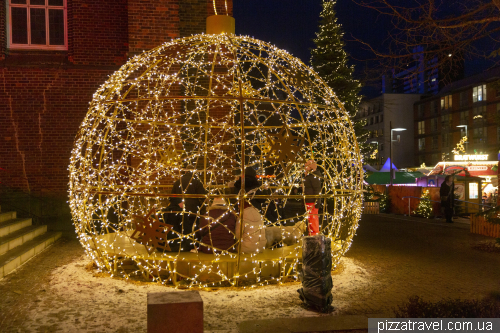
[473,102]
[54,54]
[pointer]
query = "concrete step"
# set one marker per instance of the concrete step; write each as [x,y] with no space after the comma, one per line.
[20,237]
[7,216]
[9,226]
[16,257]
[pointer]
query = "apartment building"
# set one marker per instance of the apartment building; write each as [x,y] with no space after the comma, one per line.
[382,111]
[471,107]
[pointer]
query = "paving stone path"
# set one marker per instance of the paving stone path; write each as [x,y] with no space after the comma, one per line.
[401,256]
[413,256]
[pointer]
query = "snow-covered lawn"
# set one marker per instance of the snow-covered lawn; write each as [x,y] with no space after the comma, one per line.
[77,299]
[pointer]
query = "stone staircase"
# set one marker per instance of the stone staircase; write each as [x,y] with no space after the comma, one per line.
[20,241]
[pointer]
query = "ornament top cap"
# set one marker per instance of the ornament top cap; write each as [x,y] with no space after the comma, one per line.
[219,24]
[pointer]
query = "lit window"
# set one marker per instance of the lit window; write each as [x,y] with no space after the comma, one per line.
[446,102]
[479,93]
[37,24]
[473,191]
[421,127]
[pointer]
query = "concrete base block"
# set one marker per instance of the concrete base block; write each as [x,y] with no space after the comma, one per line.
[175,312]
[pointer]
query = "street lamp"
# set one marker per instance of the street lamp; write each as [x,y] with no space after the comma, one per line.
[466,142]
[378,152]
[398,129]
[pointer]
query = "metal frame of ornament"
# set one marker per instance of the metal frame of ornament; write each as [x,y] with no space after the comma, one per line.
[217,104]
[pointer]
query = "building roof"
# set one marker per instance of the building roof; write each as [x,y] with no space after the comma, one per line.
[382,178]
[489,75]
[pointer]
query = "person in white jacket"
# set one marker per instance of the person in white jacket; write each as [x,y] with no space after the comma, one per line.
[253,237]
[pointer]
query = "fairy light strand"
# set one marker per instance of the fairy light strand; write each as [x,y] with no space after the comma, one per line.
[218,103]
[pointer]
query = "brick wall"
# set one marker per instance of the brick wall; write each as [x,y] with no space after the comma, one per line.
[97,32]
[193,14]
[44,95]
[221,7]
[3,41]
[152,23]
[40,112]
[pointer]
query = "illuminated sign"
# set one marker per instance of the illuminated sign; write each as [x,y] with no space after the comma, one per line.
[471,157]
[478,168]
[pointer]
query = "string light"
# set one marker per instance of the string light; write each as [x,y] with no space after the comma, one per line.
[218,103]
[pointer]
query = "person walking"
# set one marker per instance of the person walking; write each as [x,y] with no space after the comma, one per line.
[447,195]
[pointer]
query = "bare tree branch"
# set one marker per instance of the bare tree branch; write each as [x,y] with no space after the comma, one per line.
[449,31]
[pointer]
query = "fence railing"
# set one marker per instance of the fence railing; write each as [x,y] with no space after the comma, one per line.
[482,206]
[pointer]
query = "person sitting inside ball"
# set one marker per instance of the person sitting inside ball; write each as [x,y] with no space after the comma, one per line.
[217,228]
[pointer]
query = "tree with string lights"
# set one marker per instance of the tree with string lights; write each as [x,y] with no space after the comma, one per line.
[330,61]
[424,208]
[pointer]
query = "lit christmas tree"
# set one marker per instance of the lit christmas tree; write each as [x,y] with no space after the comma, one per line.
[329,60]
[424,208]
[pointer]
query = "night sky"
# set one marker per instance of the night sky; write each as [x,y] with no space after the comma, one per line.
[292,24]
[288,24]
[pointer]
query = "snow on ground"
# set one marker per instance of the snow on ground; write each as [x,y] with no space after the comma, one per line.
[80,300]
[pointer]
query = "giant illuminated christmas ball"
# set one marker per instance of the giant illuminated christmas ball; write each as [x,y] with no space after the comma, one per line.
[212,104]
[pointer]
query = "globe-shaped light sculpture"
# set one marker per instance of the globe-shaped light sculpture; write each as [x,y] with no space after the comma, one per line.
[214,104]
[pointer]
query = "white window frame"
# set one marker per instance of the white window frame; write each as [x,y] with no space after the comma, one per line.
[473,190]
[30,46]
[479,93]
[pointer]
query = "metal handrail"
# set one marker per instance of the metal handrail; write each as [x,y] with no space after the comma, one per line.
[468,202]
